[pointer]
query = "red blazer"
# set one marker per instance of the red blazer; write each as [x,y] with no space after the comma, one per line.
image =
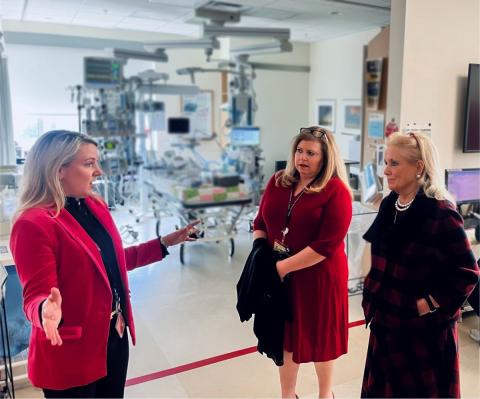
[57,252]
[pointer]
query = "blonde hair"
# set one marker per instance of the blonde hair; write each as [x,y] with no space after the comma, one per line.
[332,162]
[41,186]
[419,147]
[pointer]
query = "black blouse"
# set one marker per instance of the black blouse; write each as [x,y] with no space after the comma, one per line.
[82,214]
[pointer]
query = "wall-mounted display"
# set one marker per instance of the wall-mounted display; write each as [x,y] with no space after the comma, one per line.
[350,117]
[373,80]
[375,125]
[471,137]
[325,114]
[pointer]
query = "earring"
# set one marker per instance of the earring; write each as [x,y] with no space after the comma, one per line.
[418,176]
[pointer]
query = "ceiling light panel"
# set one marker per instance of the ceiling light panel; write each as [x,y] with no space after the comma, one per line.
[50,18]
[139,24]
[11,9]
[165,14]
[52,8]
[108,7]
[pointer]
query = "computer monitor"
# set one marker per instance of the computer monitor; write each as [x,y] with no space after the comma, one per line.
[370,184]
[245,136]
[179,125]
[102,73]
[463,184]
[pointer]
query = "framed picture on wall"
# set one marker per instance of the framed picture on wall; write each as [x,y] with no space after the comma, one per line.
[350,119]
[325,114]
[376,122]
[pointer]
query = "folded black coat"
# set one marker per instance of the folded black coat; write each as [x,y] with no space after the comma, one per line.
[261,292]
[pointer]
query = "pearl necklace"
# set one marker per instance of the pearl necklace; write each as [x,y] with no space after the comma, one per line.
[403,207]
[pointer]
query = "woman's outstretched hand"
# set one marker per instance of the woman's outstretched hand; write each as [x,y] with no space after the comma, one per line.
[51,316]
[186,233]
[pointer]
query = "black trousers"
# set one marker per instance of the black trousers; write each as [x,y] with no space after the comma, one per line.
[113,384]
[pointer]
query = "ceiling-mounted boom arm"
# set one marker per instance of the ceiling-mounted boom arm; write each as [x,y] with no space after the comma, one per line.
[208,44]
[238,31]
[193,70]
[264,48]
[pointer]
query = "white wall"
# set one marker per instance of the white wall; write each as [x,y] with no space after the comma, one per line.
[282,99]
[440,38]
[336,74]
[39,78]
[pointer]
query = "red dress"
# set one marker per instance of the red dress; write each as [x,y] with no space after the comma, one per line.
[318,294]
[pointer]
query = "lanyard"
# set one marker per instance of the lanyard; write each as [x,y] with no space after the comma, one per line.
[289,211]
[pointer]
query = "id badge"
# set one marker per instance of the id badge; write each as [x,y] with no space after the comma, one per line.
[280,247]
[120,325]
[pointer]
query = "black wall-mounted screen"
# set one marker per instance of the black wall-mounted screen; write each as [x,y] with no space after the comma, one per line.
[179,125]
[471,138]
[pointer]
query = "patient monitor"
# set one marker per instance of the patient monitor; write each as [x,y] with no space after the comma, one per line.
[245,136]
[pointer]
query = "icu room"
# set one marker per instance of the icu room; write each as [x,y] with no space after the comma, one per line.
[239,199]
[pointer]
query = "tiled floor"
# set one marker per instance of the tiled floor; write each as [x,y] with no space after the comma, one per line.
[186,313]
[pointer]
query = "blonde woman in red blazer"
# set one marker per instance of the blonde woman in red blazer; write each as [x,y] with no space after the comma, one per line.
[77,348]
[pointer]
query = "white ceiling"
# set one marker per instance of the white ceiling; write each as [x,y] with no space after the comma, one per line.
[308,20]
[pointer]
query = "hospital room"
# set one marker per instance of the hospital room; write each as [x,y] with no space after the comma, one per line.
[239,199]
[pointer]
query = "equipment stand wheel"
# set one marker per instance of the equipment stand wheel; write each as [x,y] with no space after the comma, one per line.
[182,254]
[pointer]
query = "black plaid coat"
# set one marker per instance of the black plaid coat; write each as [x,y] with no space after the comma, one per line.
[425,252]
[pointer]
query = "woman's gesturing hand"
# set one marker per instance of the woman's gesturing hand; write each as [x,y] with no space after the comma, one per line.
[186,233]
[51,316]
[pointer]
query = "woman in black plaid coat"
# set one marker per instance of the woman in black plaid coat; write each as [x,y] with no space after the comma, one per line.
[422,271]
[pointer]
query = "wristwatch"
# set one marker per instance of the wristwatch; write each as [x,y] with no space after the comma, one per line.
[430,304]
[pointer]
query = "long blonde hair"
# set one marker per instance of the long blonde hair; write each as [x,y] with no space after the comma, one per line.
[420,147]
[332,163]
[41,185]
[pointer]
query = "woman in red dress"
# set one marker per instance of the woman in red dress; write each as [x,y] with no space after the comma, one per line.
[306,210]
